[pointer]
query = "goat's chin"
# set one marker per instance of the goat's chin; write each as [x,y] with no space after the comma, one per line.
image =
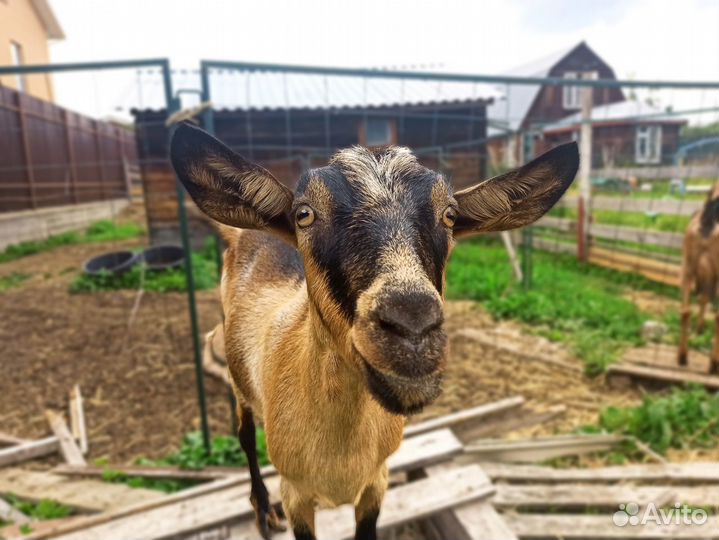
[402,395]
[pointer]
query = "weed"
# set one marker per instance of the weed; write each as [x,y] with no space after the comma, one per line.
[42,510]
[580,305]
[13,279]
[101,231]
[684,418]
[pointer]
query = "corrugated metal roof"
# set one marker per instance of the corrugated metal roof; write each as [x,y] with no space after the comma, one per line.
[508,112]
[625,111]
[279,91]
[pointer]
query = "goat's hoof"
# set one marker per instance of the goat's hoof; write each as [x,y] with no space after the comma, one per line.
[714,367]
[267,520]
[682,359]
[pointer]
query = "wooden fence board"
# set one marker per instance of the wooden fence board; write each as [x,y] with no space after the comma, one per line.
[666,375]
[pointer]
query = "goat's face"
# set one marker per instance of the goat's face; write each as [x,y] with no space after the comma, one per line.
[375,230]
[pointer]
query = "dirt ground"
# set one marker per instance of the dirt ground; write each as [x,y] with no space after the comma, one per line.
[138,378]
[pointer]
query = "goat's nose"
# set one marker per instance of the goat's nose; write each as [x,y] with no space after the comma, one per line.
[410,315]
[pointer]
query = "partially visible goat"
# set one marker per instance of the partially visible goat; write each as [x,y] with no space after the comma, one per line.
[700,273]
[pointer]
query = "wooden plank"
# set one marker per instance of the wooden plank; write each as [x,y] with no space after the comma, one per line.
[206,506]
[401,504]
[466,416]
[645,236]
[581,527]
[88,495]
[537,496]
[510,422]
[496,342]
[9,513]
[477,520]
[77,418]
[68,447]
[165,473]
[540,449]
[29,450]
[669,275]
[415,452]
[665,356]
[695,472]
[6,438]
[666,375]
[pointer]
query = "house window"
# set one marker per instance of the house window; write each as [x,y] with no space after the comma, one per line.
[649,144]
[17,60]
[378,132]
[572,95]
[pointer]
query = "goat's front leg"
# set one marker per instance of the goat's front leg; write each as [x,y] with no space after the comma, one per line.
[685,319]
[714,366]
[300,510]
[368,507]
[266,518]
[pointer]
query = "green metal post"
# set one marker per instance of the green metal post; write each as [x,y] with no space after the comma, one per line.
[172,106]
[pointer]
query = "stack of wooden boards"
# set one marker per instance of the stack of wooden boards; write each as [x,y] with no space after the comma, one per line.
[442,484]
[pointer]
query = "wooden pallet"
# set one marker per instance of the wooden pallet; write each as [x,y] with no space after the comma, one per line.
[658,363]
[543,502]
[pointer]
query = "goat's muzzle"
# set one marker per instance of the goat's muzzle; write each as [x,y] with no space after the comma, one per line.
[403,347]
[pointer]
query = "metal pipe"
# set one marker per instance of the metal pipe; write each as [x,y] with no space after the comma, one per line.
[173,106]
[454,77]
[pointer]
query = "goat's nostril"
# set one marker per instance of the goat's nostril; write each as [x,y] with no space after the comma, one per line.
[401,320]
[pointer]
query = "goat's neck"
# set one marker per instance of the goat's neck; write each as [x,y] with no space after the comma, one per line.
[331,369]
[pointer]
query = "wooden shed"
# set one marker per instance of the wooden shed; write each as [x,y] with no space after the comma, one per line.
[446,131]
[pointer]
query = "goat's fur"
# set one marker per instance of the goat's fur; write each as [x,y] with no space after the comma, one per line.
[700,274]
[333,331]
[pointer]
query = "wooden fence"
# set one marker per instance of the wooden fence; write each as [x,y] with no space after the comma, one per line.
[651,253]
[50,156]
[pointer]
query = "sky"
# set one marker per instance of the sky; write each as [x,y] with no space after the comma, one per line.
[640,39]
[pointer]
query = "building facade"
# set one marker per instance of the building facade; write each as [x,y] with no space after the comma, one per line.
[26,26]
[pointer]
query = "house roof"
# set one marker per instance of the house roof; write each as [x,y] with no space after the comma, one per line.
[280,91]
[623,112]
[48,19]
[507,113]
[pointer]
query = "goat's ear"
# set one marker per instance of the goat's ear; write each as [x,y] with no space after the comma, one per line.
[518,197]
[227,187]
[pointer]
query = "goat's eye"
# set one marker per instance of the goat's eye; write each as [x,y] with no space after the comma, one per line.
[449,216]
[305,216]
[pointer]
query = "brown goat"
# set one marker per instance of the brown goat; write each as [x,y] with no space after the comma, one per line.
[700,273]
[334,321]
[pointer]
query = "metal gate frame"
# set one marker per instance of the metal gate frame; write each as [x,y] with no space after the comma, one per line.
[172,106]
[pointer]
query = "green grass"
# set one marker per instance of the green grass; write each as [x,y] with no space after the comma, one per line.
[580,305]
[226,452]
[204,265]
[640,220]
[42,510]
[101,231]
[13,279]
[684,418]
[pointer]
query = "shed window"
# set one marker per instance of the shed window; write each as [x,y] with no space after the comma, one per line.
[16,57]
[378,132]
[649,144]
